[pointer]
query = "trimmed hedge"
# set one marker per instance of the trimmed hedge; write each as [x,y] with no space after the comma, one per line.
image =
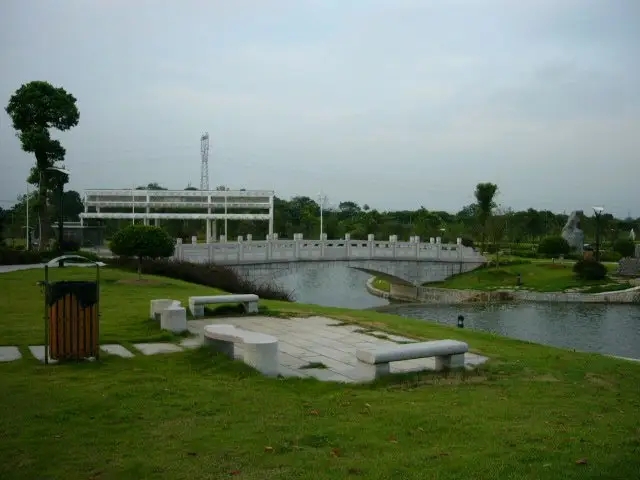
[207,274]
[15,256]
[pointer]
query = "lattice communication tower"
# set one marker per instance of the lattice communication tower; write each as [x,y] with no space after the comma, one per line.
[204,165]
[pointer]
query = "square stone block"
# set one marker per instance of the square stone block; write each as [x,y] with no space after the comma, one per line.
[115,349]
[38,352]
[9,354]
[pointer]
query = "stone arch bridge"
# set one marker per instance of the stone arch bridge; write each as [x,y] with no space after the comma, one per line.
[412,262]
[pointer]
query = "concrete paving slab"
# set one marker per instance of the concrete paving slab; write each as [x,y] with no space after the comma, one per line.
[157,348]
[9,354]
[290,372]
[400,338]
[313,339]
[191,343]
[115,349]
[327,375]
[38,352]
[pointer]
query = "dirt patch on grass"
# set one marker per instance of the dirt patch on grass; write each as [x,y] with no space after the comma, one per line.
[598,380]
[545,378]
[139,281]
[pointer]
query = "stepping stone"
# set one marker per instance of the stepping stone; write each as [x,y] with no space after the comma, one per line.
[191,343]
[38,352]
[9,354]
[115,349]
[156,348]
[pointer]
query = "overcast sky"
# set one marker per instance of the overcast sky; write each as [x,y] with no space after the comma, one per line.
[394,103]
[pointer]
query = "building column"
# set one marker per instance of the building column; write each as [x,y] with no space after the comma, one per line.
[208,222]
[214,230]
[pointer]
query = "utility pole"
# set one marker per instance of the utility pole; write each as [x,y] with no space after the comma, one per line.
[204,163]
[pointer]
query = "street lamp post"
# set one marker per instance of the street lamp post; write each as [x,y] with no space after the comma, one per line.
[27,244]
[321,199]
[598,212]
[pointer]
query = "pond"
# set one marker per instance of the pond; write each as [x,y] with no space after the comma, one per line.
[607,329]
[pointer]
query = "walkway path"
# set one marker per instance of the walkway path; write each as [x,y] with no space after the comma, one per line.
[326,345]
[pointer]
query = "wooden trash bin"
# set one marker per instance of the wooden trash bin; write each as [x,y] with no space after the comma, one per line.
[72,320]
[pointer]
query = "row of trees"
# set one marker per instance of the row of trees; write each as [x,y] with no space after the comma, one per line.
[484,221]
[37,108]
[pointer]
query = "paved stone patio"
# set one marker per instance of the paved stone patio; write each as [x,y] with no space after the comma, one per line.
[328,346]
[320,340]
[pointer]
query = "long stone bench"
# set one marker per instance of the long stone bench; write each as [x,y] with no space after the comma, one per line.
[170,313]
[248,300]
[260,350]
[448,354]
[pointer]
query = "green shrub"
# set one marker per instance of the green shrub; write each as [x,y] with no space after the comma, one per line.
[625,247]
[208,274]
[467,242]
[588,269]
[14,256]
[554,246]
[610,256]
[142,241]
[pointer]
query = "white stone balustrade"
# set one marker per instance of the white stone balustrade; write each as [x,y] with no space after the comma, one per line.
[299,249]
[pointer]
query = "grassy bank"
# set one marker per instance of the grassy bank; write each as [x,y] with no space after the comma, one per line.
[532,412]
[536,276]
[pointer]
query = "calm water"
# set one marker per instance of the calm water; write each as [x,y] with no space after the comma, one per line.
[332,286]
[610,329]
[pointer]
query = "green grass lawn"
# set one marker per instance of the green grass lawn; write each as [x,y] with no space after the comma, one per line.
[538,276]
[381,284]
[532,412]
[542,277]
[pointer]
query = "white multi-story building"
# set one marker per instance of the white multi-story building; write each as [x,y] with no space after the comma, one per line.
[157,205]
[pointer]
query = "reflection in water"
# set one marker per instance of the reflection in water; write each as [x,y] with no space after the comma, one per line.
[610,329]
[334,286]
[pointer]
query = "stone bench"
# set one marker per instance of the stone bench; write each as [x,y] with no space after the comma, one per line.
[248,300]
[448,354]
[171,314]
[260,350]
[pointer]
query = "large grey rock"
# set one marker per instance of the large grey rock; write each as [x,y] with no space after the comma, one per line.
[572,233]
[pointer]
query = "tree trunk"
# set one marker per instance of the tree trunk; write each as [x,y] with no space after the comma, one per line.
[139,268]
[45,224]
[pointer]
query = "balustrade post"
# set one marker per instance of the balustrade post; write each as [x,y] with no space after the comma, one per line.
[416,239]
[240,249]
[297,237]
[371,239]
[393,241]
[347,245]
[268,247]
[194,240]
[460,248]
[178,253]
[323,245]
[439,247]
